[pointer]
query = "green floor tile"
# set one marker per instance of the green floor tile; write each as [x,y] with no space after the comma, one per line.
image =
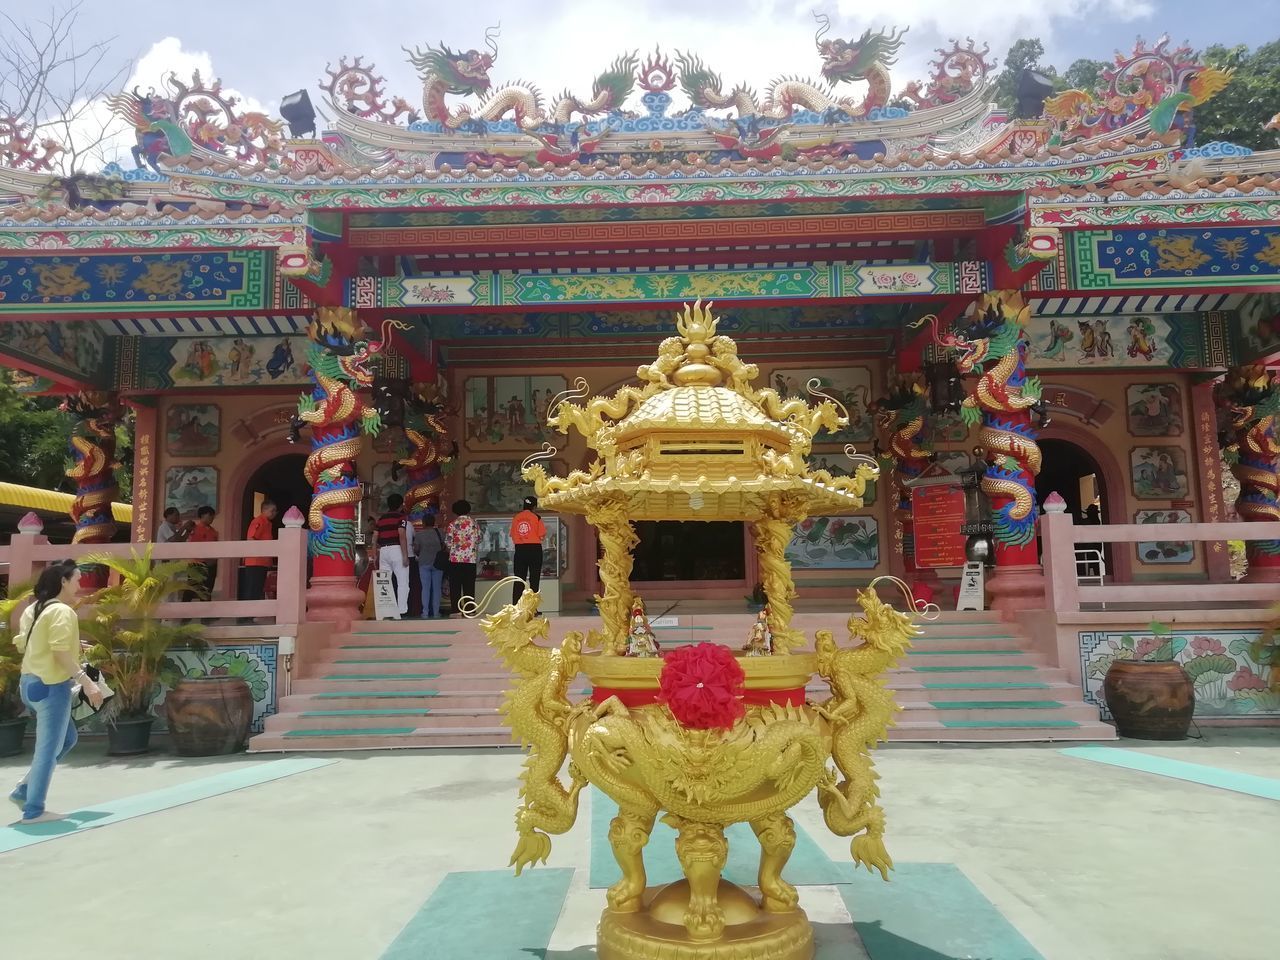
[369,732]
[970,724]
[996,704]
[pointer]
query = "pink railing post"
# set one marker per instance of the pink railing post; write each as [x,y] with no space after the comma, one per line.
[1058,556]
[291,575]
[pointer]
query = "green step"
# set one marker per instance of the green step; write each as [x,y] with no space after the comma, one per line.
[394,646]
[387,694]
[382,712]
[400,660]
[916,651]
[978,724]
[381,676]
[371,732]
[996,704]
[998,685]
[996,666]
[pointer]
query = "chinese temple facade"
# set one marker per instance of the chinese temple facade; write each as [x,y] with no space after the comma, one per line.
[1081,302]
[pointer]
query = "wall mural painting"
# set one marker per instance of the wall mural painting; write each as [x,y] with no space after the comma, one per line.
[1229,682]
[193,430]
[953,460]
[1259,316]
[1128,341]
[236,361]
[835,543]
[838,465]
[1154,409]
[71,346]
[947,427]
[190,488]
[507,412]
[851,386]
[1165,551]
[495,486]
[380,485]
[1159,473]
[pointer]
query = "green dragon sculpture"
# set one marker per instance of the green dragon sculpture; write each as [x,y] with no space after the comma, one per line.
[445,72]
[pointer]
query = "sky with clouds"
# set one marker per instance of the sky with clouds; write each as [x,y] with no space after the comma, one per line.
[264,49]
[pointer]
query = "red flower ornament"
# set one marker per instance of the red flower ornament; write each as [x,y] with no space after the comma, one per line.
[702,685]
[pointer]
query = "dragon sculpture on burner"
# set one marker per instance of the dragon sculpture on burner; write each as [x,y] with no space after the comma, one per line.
[1003,399]
[445,72]
[867,58]
[339,357]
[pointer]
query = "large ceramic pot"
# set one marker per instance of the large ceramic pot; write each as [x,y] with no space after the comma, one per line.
[209,716]
[12,733]
[1150,700]
[129,736]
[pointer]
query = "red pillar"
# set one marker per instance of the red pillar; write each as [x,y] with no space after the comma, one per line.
[1209,458]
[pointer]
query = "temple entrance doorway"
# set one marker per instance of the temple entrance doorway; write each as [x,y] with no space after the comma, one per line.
[1071,471]
[684,551]
[279,479]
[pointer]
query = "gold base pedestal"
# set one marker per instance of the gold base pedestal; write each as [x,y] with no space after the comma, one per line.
[657,932]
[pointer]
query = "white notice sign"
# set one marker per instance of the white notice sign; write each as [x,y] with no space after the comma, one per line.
[971,587]
[384,596]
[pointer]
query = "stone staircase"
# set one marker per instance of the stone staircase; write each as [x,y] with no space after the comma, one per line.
[434,683]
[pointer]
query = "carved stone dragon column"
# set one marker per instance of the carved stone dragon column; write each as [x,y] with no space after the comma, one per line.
[1251,394]
[431,455]
[339,356]
[93,450]
[904,415]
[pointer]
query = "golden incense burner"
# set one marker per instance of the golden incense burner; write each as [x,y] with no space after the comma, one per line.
[704,735]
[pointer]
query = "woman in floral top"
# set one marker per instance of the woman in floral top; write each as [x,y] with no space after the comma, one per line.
[462,538]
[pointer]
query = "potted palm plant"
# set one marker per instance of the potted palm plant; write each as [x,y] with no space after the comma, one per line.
[13,717]
[130,643]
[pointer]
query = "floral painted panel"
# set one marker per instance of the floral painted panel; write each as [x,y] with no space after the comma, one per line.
[255,663]
[835,543]
[1229,682]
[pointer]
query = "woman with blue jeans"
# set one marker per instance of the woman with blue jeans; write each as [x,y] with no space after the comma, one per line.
[428,542]
[49,640]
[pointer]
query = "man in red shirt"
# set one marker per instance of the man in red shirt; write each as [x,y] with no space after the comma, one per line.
[527,533]
[202,574]
[253,573]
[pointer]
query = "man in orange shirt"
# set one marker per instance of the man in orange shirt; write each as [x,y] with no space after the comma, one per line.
[202,574]
[253,574]
[527,533]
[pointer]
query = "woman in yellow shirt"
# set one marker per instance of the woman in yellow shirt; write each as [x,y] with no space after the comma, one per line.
[49,640]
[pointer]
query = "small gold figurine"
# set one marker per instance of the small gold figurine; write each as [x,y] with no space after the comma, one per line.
[760,644]
[640,639]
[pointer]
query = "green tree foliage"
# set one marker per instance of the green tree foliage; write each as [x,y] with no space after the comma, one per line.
[1239,113]
[1025,54]
[33,440]
[1083,74]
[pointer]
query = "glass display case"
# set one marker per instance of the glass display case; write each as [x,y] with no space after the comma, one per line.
[494,556]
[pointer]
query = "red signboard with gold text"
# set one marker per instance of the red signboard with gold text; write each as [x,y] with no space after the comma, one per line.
[937,512]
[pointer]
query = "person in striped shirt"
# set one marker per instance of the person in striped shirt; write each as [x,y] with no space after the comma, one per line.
[391,534]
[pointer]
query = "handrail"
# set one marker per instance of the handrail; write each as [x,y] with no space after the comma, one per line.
[26,553]
[1059,535]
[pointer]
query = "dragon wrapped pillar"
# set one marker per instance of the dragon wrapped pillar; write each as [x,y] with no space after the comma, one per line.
[1005,400]
[903,414]
[93,452]
[338,355]
[1251,394]
[430,456]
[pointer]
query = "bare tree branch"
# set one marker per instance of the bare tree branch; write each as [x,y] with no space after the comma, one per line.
[56,88]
